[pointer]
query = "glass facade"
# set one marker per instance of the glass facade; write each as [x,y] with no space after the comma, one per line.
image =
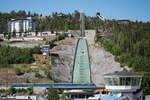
[122,81]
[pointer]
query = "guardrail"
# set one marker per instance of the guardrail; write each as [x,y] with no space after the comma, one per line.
[52,85]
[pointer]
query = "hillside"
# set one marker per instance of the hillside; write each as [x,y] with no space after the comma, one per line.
[129,43]
[62,59]
[101,61]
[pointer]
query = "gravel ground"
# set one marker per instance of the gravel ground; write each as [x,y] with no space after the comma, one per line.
[29,44]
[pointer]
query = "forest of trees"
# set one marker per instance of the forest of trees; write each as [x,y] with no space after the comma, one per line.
[12,91]
[130,43]
[13,55]
[58,21]
[55,21]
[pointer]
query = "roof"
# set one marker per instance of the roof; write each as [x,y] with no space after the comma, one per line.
[124,20]
[115,98]
[11,99]
[122,74]
[22,19]
[47,31]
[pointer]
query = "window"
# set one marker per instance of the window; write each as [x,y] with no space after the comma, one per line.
[115,81]
[44,34]
[135,81]
[108,81]
[128,81]
[121,80]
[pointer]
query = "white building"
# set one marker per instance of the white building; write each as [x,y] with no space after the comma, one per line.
[21,25]
[124,84]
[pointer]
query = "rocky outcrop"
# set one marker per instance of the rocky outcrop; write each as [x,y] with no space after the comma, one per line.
[102,62]
[62,70]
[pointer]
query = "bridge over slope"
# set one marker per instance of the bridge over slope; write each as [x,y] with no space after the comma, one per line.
[81,66]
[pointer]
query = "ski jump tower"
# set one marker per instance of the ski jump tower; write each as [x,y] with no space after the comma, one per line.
[81,73]
[81,66]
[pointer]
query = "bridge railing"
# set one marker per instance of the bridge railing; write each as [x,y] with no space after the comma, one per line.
[52,85]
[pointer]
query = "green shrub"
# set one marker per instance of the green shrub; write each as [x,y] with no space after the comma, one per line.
[18,71]
[38,75]
[48,75]
[36,50]
[14,55]
[52,94]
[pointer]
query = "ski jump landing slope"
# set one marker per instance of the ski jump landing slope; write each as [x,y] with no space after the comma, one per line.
[81,66]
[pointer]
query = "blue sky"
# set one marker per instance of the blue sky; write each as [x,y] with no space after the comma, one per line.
[109,9]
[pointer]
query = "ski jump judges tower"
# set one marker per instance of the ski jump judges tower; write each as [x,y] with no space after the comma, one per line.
[81,66]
